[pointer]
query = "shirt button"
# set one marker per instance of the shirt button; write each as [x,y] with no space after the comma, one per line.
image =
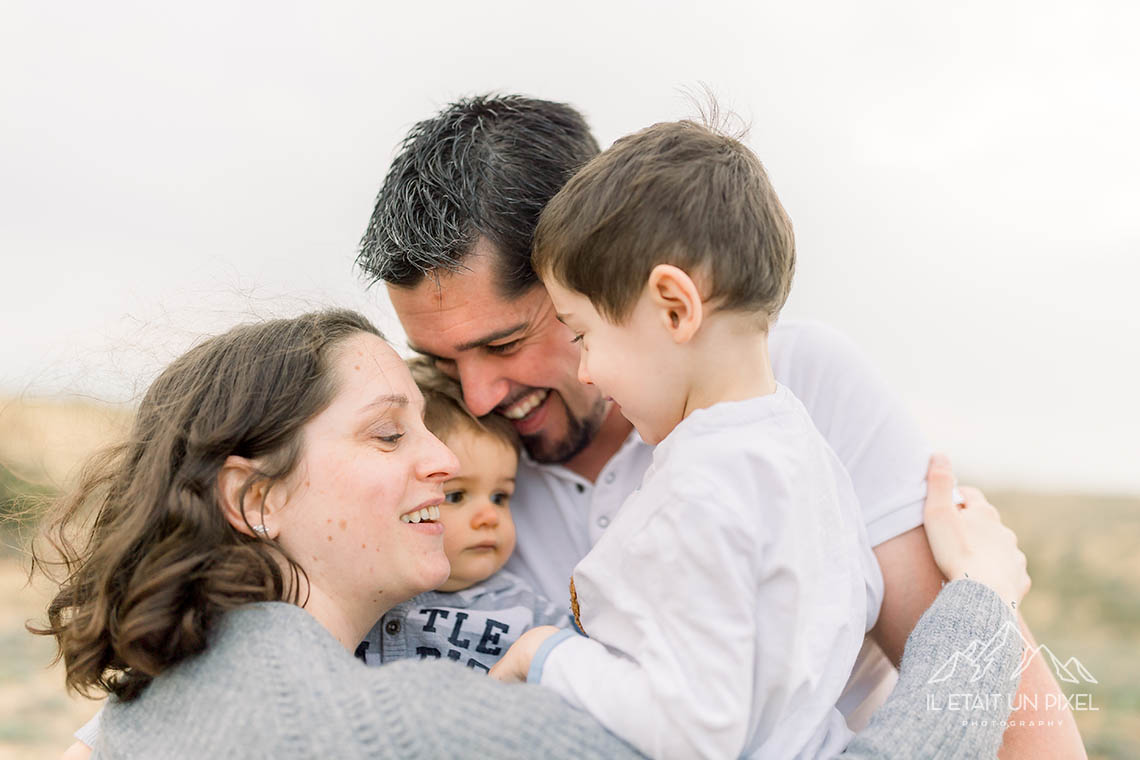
[392,627]
[581,488]
[603,521]
[610,477]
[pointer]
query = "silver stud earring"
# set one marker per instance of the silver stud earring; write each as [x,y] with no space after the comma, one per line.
[261,530]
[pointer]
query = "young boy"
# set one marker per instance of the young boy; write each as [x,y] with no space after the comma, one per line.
[726,603]
[482,609]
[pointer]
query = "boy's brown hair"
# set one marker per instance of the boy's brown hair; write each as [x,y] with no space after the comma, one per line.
[675,193]
[445,412]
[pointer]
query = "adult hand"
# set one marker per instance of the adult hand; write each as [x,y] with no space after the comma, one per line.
[968,540]
[515,664]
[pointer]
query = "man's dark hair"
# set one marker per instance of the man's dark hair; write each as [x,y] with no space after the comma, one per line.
[484,166]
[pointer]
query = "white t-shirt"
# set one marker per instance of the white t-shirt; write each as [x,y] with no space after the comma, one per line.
[728,599]
[559,515]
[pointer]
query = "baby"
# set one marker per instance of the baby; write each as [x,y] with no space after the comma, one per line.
[482,609]
[726,603]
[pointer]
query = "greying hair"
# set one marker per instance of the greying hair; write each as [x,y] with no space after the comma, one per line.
[483,167]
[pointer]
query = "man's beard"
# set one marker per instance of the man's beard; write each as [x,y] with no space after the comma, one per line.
[580,432]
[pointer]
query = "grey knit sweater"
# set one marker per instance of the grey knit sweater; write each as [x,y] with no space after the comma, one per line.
[275,684]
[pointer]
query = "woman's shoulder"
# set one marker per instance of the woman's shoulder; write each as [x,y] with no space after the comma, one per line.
[251,687]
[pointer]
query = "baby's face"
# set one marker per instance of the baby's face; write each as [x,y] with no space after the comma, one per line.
[478,533]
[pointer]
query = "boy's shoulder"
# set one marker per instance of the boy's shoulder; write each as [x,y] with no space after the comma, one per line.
[740,446]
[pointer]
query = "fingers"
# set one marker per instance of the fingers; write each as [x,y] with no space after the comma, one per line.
[939,488]
[977,503]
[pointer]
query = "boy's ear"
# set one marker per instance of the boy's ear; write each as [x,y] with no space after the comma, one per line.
[678,300]
[259,507]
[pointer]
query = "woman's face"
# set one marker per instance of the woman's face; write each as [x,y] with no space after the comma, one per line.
[367,461]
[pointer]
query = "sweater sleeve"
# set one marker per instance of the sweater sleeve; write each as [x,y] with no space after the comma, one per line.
[959,674]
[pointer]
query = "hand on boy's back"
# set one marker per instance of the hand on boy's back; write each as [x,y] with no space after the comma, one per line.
[515,664]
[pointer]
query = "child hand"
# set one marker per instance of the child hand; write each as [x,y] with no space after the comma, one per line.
[969,541]
[515,663]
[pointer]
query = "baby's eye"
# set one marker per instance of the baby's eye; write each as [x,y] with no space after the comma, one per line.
[577,338]
[501,498]
[453,497]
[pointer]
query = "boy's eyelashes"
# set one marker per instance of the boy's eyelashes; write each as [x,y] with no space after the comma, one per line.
[453,497]
[577,338]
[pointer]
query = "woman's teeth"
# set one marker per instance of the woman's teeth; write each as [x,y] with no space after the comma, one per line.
[422,515]
[525,405]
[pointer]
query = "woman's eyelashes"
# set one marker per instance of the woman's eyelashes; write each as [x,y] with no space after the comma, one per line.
[388,435]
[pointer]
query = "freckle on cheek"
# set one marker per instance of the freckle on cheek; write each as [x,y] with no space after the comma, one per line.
[344,525]
[357,367]
[362,546]
[330,538]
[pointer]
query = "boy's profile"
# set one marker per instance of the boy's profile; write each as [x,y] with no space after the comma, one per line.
[726,603]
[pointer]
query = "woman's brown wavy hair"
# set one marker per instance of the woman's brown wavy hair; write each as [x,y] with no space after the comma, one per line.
[147,561]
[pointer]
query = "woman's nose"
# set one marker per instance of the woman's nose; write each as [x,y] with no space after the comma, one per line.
[438,462]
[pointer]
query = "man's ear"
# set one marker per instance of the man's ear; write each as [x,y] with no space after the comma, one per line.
[255,513]
[678,300]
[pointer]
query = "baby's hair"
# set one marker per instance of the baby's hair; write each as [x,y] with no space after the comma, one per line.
[680,193]
[444,410]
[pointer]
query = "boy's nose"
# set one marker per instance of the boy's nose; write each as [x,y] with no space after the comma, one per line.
[583,375]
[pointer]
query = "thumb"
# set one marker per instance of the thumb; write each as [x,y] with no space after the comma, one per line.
[939,488]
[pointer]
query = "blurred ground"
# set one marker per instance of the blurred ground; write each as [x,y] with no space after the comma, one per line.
[1084,556]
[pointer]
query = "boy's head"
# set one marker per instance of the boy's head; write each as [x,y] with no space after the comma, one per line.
[478,535]
[654,236]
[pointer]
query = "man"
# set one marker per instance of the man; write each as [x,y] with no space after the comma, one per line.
[450,236]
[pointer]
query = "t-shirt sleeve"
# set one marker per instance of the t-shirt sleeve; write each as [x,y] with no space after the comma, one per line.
[863,421]
[88,733]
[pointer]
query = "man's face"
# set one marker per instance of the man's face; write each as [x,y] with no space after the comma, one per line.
[509,356]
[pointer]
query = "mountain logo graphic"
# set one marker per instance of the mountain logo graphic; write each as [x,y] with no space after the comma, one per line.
[980,657]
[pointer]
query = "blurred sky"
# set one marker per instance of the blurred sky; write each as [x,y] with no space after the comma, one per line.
[964,179]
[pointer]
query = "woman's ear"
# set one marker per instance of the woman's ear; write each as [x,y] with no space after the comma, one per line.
[257,513]
[678,300]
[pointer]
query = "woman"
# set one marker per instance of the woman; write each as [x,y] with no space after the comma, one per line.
[250,532]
